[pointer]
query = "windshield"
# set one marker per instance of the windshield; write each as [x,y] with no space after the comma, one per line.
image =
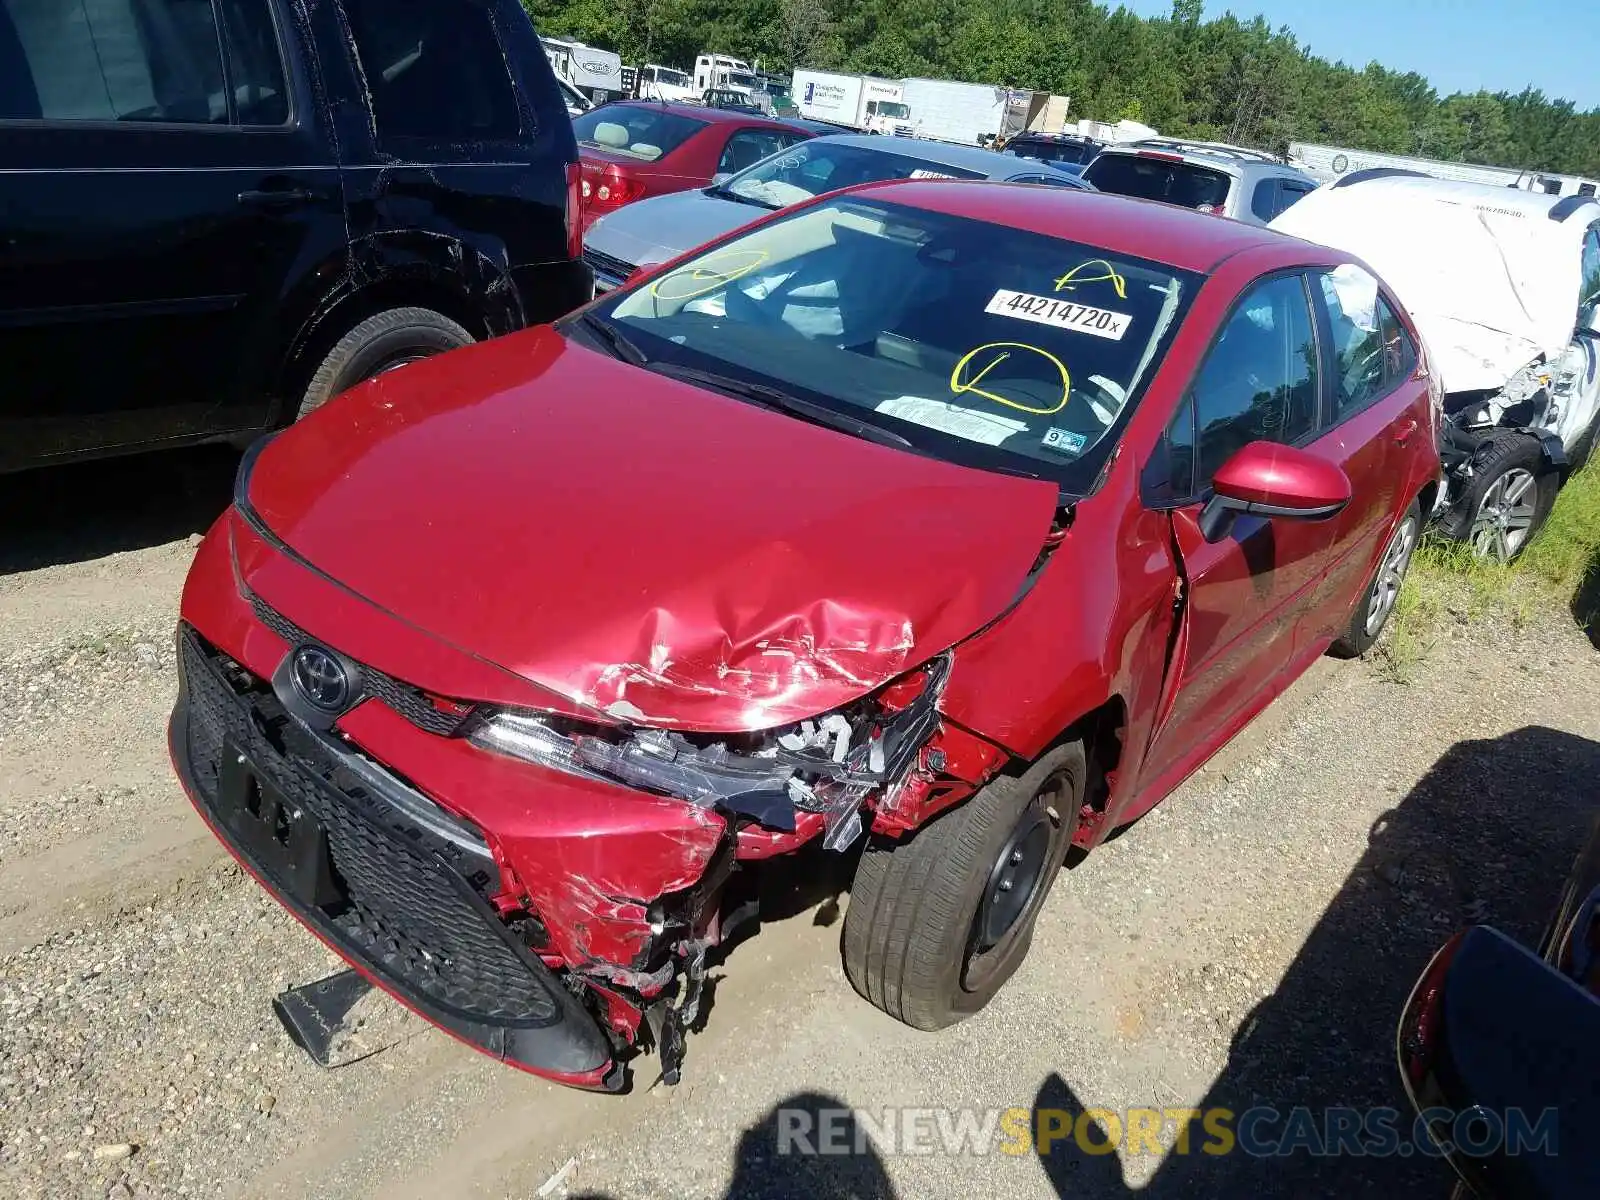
[894,110]
[812,168]
[1159,179]
[638,130]
[977,343]
[739,80]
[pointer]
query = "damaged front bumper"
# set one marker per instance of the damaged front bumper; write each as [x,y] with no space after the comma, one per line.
[556,916]
[407,907]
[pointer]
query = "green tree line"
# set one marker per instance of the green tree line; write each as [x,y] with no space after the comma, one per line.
[1227,78]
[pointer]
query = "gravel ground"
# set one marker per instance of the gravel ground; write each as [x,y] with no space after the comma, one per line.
[1249,942]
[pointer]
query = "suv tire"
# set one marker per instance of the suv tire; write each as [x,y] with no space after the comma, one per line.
[381,343]
[932,932]
[1503,463]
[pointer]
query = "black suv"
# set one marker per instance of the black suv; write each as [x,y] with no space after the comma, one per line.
[216,214]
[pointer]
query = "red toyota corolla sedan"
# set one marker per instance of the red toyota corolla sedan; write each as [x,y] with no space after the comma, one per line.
[638,148]
[954,523]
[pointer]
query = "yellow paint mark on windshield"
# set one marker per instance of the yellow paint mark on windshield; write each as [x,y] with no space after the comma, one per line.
[969,385]
[1107,274]
[707,275]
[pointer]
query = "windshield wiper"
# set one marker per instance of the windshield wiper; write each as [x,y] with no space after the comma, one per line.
[615,339]
[723,193]
[771,397]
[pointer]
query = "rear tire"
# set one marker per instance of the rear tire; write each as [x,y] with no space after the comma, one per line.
[1505,503]
[939,922]
[381,343]
[1377,602]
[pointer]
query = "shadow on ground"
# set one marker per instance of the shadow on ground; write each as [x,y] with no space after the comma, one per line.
[1488,836]
[75,513]
[1586,601]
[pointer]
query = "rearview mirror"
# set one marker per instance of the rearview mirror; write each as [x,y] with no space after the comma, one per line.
[1267,479]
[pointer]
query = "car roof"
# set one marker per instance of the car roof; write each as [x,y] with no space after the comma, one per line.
[992,163]
[1165,233]
[1212,154]
[1034,135]
[1414,186]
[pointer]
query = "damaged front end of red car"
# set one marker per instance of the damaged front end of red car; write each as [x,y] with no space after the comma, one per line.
[542,866]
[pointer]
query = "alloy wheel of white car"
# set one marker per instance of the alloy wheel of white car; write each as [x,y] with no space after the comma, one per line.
[1504,520]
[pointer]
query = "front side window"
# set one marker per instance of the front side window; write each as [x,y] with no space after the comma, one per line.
[1259,382]
[111,60]
[434,70]
[980,344]
[638,131]
[1160,178]
[812,168]
[1591,267]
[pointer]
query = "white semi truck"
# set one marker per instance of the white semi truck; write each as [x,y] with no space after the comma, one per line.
[862,102]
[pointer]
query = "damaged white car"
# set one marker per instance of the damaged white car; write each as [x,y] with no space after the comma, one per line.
[1504,286]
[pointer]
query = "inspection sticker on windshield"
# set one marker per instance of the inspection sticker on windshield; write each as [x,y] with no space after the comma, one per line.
[1063,314]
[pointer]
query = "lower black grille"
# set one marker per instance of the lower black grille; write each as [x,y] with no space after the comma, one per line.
[406,700]
[412,906]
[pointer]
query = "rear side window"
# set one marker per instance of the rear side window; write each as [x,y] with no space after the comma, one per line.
[255,64]
[749,146]
[1259,382]
[1264,203]
[111,60]
[1290,192]
[638,130]
[1370,351]
[1182,183]
[434,70]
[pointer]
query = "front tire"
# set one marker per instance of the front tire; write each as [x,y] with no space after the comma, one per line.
[1377,603]
[381,343]
[1506,501]
[939,922]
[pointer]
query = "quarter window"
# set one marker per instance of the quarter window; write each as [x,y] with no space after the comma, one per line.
[111,60]
[434,69]
[1259,383]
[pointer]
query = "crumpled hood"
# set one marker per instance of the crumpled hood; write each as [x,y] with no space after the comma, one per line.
[663,227]
[640,546]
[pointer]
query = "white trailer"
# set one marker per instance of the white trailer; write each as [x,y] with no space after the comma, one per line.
[594,72]
[970,114]
[862,102]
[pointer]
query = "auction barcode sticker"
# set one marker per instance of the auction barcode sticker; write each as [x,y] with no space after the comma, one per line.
[1063,314]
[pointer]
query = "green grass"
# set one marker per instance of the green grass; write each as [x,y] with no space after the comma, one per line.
[1560,570]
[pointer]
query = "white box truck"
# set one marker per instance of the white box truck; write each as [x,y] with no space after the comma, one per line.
[862,102]
[969,113]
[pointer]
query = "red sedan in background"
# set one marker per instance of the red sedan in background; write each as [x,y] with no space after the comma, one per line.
[962,519]
[638,148]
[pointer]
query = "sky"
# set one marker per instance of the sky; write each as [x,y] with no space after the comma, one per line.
[1460,45]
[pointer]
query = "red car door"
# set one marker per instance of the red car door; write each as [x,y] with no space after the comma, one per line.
[1378,418]
[1247,593]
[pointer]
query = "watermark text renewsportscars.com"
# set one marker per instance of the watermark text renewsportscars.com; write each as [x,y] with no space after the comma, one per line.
[1261,1132]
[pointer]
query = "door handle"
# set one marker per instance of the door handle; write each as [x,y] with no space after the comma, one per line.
[277,197]
[1402,434]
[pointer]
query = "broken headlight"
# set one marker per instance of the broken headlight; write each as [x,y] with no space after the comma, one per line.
[826,764]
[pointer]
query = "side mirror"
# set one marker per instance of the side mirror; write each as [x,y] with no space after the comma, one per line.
[1271,480]
[720,178]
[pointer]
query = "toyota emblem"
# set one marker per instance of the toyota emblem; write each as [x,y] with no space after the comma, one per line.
[320,678]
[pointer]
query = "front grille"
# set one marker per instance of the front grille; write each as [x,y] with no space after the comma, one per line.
[413,906]
[411,703]
[604,264]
